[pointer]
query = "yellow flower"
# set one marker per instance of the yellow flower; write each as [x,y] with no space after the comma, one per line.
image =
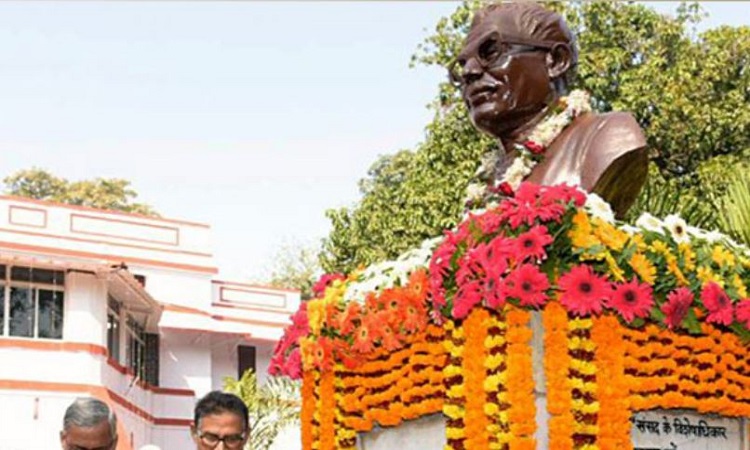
[705,275]
[688,255]
[674,269]
[722,257]
[637,239]
[609,235]
[643,267]
[614,269]
[659,247]
[740,286]
[316,313]
[580,235]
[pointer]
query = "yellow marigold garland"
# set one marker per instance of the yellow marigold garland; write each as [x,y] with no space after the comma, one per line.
[346,437]
[556,366]
[582,373]
[613,419]
[520,376]
[454,406]
[496,401]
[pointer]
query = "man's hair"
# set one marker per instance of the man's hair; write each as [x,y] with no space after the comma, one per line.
[217,402]
[89,412]
[534,23]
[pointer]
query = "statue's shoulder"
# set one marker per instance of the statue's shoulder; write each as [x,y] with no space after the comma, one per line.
[616,159]
[613,132]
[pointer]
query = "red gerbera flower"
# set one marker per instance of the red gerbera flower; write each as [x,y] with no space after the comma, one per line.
[632,300]
[531,243]
[534,147]
[583,292]
[563,193]
[322,351]
[529,285]
[349,318]
[718,304]
[363,339]
[743,312]
[677,305]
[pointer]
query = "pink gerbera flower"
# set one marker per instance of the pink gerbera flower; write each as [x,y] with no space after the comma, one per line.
[583,292]
[718,304]
[632,300]
[529,285]
[677,305]
[531,243]
[743,312]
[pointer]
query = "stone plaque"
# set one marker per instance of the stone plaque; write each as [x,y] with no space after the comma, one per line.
[685,430]
[425,433]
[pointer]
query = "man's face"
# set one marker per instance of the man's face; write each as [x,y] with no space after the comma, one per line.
[97,437]
[225,430]
[504,83]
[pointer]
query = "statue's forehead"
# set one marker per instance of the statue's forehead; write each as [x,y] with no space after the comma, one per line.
[499,23]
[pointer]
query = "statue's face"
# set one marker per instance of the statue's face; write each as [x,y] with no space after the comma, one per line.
[504,84]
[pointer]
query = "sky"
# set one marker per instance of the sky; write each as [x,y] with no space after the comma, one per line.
[253,117]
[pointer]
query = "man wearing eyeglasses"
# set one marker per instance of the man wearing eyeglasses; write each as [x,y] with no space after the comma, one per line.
[221,421]
[517,62]
[89,424]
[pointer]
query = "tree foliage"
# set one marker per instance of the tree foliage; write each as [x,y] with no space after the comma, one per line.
[272,406]
[295,266]
[103,193]
[689,91]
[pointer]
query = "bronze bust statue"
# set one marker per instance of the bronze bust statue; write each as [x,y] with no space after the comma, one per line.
[517,62]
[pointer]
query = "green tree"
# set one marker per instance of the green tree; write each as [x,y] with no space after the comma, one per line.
[688,91]
[295,266]
[103,193]
[273,406]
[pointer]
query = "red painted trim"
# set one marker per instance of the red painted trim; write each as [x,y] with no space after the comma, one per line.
[111,258]
[173,391]
[101,241]
[251,285]
[127,222]
[10,216]
[101,211]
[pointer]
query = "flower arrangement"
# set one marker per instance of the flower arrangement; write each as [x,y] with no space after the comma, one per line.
[547,242]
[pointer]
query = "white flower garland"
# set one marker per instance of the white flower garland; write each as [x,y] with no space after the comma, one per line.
[531,150]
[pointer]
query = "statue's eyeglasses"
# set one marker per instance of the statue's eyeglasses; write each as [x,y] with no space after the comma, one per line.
[491,52]
[231,441]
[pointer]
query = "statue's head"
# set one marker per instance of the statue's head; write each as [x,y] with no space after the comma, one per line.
[517,60]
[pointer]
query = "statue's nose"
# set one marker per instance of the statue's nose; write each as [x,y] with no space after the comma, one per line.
[473,70]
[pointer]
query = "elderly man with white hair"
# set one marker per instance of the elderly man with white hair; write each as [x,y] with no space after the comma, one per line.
[89,424]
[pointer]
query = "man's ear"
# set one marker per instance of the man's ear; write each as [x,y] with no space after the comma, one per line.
[559,60]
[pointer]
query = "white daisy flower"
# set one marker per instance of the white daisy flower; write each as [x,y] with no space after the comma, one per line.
[678,228]
[648,222]
[598,207]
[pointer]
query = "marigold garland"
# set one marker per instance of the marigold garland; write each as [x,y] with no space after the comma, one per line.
[496,402]
[522,412]
[454,407]
[556,366]
[582,373]
[327,410]
[474,374]
[308,409]
[613,419]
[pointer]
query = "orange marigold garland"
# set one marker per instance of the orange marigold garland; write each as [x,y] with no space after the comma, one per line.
[308,409]
[614,412]
[475,420]
[346,438]
[556,366]
[520,376]
[327,411]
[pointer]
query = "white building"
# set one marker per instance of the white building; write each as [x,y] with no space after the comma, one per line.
[123,307]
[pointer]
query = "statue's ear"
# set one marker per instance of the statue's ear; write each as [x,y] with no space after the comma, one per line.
[559,60]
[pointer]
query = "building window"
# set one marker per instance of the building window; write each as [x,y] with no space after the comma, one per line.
[31,302]
[245,359]
[135,347]
[113,328]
